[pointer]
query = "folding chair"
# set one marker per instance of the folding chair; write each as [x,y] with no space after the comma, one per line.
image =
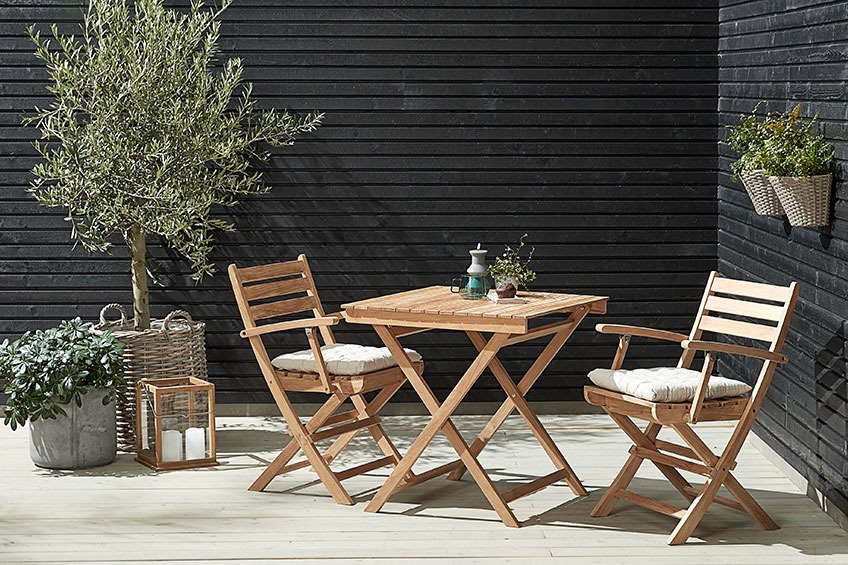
[678,396]
[342,371]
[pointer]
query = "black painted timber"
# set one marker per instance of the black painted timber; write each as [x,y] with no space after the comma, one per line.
[591,126]
[788,53]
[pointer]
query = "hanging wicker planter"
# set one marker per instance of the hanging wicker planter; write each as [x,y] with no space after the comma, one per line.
[171,348]
[806,200]
[766,202]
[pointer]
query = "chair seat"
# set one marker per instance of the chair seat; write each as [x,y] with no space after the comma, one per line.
[344,359]
[665,384]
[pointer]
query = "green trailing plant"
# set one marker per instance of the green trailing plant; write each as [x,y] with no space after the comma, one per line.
[143,138]
[511,266]
[48,369]
[784,145]
[744,139]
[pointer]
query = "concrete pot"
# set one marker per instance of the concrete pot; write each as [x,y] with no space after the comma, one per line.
[86,437]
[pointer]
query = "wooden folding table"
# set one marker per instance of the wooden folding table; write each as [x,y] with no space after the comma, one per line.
[433,308]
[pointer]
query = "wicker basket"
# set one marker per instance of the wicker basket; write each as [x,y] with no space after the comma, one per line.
[173,347]
[766,202]
[805,199]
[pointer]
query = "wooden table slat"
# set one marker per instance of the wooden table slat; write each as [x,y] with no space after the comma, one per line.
[433,304]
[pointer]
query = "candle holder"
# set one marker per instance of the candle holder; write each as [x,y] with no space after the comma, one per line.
[175,423]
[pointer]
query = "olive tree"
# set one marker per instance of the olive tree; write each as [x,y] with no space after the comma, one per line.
[144,135]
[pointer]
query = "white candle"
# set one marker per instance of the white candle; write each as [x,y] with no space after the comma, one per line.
[195,443]
[172,445]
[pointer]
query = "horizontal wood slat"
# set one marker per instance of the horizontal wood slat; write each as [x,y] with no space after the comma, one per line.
[344,428]
[278,288]
[364,468]
[737,328]
[651,504]
[283,307]
[534,485]
[730,503]
[273,271]
[744,308]
[676,448]
[671,460]
[593,129]
[751,289]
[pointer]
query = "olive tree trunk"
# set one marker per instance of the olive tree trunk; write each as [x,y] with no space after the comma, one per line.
[141,298]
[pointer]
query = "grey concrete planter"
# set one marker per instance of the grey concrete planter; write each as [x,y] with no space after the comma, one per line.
[86,437]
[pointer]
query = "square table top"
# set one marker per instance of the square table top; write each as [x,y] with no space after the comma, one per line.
[437,307]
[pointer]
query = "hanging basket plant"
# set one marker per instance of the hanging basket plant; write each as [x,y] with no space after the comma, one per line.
[806,200]
[762,193]
[144,138]
[784,165]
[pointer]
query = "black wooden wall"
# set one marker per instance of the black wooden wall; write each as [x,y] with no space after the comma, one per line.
[788,54]
[589,125]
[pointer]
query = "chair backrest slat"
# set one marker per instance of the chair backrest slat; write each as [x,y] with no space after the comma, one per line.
[745,308]
[272,271]
[278,288]
[275,290]
[750,289]
[736,328]
[282,307]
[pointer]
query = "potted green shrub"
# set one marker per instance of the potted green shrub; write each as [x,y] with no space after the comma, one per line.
[144,138]
[792,158]
[511,271]
[63,381]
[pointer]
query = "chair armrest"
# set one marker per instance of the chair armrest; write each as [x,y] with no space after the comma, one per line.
[641,332]
[338,315]
[714,346]
[289,325]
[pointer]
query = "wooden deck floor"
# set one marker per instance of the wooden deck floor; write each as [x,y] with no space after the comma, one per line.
[127,514]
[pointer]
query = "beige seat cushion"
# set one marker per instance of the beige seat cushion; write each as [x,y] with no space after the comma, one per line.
[342,359]
[664,384]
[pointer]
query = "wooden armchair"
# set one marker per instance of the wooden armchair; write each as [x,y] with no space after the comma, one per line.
[678,396]
[341,371]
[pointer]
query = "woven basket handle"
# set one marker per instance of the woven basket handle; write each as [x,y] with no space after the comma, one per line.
[166,323]
[117,307]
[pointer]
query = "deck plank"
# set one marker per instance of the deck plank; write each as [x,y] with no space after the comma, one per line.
[126,514]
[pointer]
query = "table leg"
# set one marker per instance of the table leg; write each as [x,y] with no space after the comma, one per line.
[516,398]
[524,385]
[441,421]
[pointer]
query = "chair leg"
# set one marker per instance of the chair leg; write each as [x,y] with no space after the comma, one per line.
[721,475]
[275,466]
[694,513]
[322,468]
[733,486]
[301,434]
[628,471]
[516,398]
[746,500]
[646,441]
[527,381]
[367,410]
[290,450]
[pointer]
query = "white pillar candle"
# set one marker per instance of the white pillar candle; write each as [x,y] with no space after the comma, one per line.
[172,445]
[195,439]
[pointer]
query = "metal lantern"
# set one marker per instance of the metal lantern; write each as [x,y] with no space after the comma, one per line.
[175,423]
